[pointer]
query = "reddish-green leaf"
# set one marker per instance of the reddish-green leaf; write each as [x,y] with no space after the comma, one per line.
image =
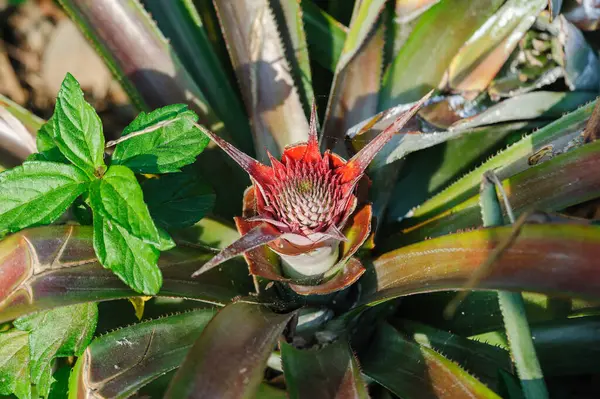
[56,266]
[357,75]
[328,373]
[117,364]
[566,255]
[229,357]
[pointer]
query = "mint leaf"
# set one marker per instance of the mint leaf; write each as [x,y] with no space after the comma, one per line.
[77,129]
[60,332]
[37,193]
[178,200]
[14,364]
[46,146]
[131,259]
[118,198]
[165,149]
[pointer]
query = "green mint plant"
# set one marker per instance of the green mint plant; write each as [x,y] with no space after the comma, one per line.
[72,165]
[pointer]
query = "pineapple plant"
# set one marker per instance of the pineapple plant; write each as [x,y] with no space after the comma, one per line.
[342,199]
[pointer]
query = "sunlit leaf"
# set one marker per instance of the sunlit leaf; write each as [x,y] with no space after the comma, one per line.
[564,254]
[439,32]
[413,371]
[38,193]
[61,332]
[560,182]
[166,149]
[482,56]
[271,98]
[67,272]
[14,364]
[77,129]
[535,148]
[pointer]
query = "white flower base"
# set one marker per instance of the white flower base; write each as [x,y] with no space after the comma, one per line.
[310,264]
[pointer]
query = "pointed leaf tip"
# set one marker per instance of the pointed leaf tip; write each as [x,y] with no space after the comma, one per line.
[255,169]
[359,162]
[259,235]
[312,153]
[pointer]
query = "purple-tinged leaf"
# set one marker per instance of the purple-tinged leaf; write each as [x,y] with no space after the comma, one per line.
[257,53]
[258,236]
[585,14]
[347,274]
[357,76]
[331,372]
[17,143]
[117,364]
[229,357]
[410,370]
[566,255]
[138,54]
[53,266]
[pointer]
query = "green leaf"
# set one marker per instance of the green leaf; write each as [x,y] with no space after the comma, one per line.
[512,307]
[165,149]
[572,182]
[119,200]
[37,193]
[130,258]
[14,364]
[60,387]
[529,151]
[78,129]
[178,200]
[46,146]
[319,25]
[482,359]
[137,354]
[410,370]
[59,332]
[436,38]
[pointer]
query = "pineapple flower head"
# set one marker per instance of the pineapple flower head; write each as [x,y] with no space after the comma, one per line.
[300,205]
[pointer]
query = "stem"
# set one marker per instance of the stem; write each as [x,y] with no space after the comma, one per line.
[142,132]
[511,303]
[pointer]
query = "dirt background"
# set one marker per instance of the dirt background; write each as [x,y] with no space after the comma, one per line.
[38,46]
